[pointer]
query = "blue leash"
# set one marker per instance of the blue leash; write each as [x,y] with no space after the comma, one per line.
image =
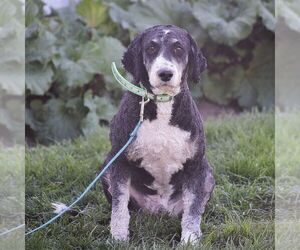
[145,100]
[132,135]
[11,230]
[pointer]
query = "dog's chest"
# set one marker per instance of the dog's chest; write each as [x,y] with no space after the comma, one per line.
[163,148]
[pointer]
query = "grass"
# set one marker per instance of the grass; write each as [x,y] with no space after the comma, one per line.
[240,214]
[287,179]
[12,186]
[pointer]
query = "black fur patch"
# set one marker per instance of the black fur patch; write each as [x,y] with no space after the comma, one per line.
[140,178]
[185,115]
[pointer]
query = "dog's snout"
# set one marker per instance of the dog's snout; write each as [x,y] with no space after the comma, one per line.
[165,75]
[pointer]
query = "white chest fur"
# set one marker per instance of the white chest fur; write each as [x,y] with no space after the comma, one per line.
[163,148]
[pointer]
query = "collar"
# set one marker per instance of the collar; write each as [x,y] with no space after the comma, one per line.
[141,91]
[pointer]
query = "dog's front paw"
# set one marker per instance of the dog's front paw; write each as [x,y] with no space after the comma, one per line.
[119,230]
[190,237]
[119,225]
[119,233]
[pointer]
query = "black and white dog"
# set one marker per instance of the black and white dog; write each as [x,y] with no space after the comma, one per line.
[165,168]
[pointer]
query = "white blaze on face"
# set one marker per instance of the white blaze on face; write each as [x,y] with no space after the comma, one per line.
[171,87]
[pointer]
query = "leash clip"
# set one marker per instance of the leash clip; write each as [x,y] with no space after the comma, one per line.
[145,100]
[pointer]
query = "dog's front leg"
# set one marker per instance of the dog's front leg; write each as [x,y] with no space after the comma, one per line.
[119,225]
[196,193]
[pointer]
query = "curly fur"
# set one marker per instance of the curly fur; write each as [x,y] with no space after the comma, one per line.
[165,168]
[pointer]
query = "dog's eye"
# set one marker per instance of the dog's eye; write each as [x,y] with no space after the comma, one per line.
[178,51]
[151,49]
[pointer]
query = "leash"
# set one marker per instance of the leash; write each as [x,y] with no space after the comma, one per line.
[11,230]
[146,97]
[131,137]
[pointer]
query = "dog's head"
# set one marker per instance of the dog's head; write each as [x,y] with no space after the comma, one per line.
[164,58]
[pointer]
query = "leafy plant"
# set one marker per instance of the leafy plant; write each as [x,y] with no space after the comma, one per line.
[144,14]
[65,60]
[95,14]
[290,12]
[287,54]
[226,22]
[11,72]
[230,34]
[68,57]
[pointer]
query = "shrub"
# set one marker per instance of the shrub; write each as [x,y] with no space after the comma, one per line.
[69,86]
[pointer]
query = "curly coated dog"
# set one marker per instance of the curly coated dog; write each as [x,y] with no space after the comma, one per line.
[165,168]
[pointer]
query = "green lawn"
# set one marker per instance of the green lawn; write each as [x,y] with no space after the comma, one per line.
[287,180]
[12,196]
[240,214]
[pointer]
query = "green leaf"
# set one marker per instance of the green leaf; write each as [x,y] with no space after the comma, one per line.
[40,48]
[227,22]
[221,87]
[287,67]
[12,115]
[34,114]
[29,119]
[11,72]
[246,95]
[100,108]
[38,78]
[56,120]
[290,11]
[93,12]
[266,11]
[11,49]
[63,121]
[7,12]
[144,14]
[101,105]
[251,87]
[94,57]
[110,50]
[261,76]
[12,78]
[12,118]
[31,12]
[73,73]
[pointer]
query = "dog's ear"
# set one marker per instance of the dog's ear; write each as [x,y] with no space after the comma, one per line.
[197,62]
[133,59]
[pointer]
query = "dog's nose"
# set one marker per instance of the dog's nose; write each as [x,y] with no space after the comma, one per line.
[165,75]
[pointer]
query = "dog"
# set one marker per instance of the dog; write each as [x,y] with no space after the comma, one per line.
[165,168]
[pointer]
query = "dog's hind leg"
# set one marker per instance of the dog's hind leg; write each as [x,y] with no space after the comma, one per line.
[196,193]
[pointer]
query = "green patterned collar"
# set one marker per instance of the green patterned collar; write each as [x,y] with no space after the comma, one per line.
[141,91]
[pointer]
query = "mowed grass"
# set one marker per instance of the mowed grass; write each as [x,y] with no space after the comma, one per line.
[287,179]
[12,188]
[240,214]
